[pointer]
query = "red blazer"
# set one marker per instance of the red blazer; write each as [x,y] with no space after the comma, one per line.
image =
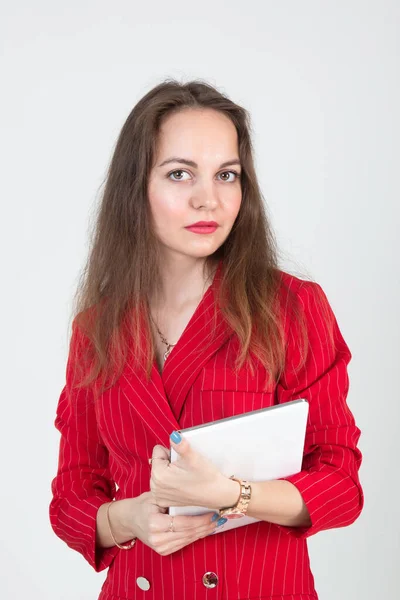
[108,447]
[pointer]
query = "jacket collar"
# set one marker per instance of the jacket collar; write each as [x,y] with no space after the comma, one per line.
[160,401]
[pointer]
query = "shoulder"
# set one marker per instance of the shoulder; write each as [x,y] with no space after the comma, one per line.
[304,300]
[297,285]
[289,282]
[294,290]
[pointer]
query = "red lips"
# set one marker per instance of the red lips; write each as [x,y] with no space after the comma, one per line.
[204,224]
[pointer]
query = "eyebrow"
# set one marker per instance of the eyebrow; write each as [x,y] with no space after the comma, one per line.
[191,163]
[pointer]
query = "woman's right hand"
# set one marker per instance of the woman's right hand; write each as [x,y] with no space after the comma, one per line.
[140,517]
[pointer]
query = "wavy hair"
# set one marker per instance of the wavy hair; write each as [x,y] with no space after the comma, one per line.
[124,259]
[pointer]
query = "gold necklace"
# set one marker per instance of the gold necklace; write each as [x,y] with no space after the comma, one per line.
[163,339]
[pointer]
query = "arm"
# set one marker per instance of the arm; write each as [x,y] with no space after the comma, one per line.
[83,482]
[328,482]
[276,501]
[326,493]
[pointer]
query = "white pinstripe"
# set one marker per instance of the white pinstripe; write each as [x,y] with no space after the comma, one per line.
[106,448]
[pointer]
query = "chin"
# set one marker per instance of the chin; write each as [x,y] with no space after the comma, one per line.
[205,251]
[194,250]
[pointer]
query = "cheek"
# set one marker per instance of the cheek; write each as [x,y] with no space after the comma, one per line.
[231,203]
[168,208]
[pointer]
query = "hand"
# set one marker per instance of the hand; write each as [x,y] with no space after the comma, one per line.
[192,480]
[151,526]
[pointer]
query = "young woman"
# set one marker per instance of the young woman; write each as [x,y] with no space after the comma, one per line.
[184,317]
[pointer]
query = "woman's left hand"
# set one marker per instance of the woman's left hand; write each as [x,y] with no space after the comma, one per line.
[192,480]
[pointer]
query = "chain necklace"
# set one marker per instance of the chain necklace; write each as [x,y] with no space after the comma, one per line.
[163,339]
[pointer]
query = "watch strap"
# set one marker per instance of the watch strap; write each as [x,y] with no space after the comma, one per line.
[240,508]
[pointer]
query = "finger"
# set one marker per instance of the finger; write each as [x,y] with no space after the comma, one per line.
[160,523]
[160,452]
[172,541]
[154,508]
[160,459]
[182,448]
[187,523]
[194,534]
[205,530]
[168,545]
[169,548]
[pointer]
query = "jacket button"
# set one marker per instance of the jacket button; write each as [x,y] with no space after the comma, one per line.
[143,583]
[210,579]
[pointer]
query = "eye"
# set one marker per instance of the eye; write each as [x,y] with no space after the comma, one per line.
[179,178]
[174,172]
[237,176]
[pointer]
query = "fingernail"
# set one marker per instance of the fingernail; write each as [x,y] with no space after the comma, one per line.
[221,521]
[215,517]
[176,437]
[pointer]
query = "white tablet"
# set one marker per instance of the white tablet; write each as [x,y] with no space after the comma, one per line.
[259,445]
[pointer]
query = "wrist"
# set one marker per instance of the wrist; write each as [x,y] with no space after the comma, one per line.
[121,519]
[228,493]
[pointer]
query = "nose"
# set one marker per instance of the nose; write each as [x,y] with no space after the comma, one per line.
[205,194]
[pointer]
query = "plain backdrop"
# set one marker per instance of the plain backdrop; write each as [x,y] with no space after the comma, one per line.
[321,82]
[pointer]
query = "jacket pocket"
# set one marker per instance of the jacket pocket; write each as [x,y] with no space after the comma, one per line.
[220,404]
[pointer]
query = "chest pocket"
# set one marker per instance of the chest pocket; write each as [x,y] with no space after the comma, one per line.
[220,404]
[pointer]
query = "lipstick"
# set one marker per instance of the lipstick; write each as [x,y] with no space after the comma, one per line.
[203,227]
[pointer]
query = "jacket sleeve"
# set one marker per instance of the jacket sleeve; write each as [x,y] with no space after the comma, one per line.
[328,480]
[83,482]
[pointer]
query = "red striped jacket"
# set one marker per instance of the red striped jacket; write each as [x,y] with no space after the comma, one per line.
[104,453]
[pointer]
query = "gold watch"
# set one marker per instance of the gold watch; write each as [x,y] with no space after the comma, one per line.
[240,508]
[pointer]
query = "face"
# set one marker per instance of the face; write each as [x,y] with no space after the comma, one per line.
[195,177]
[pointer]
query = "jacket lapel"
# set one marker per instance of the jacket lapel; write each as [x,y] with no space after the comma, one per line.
[159,401]
[149,401]
[195,347]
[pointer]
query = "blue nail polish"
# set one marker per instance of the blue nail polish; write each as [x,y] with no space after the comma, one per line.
[221,521]
[176,437]
[214,517]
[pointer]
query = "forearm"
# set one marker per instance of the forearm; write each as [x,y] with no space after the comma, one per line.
[275,501]
[122,531]
[278,502]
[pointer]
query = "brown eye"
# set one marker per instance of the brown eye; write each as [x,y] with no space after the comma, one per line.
[237,176]
[174,172]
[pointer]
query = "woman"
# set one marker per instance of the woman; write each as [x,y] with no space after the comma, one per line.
[178,325]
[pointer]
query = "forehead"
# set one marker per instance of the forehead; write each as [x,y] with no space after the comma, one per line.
[197,134]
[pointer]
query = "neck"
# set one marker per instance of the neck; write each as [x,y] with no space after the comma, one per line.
[182,282]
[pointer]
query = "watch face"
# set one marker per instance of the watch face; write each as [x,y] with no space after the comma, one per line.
[234,516]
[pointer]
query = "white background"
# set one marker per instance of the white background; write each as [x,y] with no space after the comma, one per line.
[321,81]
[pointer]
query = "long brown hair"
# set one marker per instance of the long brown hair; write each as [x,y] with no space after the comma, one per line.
[124,260]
